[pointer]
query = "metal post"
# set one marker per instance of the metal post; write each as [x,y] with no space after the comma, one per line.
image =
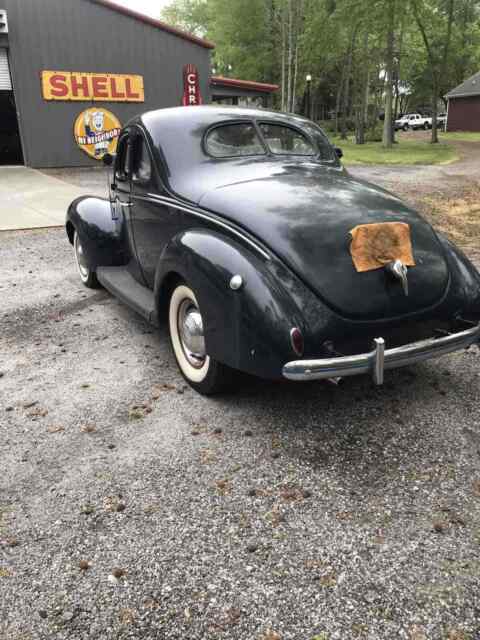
[308,96]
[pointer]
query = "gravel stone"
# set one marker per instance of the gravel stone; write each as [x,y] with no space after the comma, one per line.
[359,559]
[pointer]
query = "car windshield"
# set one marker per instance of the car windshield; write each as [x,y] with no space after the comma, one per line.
[232,140]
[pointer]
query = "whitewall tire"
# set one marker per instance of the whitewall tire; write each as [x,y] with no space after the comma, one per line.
[87,276]
[187,335]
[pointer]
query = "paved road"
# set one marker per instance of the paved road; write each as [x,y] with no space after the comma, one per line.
[130,507]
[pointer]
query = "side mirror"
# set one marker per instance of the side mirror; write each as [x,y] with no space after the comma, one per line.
[108,159]
[339,152]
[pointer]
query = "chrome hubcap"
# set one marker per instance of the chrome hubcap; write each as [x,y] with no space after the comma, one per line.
[80,257]
[190,329]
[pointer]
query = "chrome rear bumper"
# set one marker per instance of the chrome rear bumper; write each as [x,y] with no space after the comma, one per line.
[377,361]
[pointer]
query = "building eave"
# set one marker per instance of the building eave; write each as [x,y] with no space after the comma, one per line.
[249,85]
[451,96]
[153,22]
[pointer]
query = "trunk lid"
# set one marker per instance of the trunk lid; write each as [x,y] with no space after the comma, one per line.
[304,213]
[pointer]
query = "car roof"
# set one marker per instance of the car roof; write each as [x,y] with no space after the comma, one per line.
[195,115]
[177,132]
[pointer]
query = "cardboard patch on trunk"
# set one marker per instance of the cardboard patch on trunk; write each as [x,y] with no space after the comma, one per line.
[375,245]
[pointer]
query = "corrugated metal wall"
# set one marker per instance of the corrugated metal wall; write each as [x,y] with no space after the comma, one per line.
[5,80]
[464,114]
[79,35]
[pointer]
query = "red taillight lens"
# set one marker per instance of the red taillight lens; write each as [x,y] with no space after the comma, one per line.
[296,340]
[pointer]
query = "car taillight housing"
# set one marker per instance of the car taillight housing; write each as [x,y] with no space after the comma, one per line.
[296,340]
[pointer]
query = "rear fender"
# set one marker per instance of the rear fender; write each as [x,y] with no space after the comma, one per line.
[102,238]
[247,329]
[465,288]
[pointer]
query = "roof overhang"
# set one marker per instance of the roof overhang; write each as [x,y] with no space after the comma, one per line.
[153,22]
[245,85]
[450,96]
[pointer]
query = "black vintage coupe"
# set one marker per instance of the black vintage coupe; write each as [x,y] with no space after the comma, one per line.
[242,227]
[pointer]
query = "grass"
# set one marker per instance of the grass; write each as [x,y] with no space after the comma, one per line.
[405,152]
[461,136]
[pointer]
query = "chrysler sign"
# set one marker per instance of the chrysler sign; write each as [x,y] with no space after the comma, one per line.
[191,86]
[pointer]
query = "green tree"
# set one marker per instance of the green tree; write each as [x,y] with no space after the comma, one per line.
[435,22]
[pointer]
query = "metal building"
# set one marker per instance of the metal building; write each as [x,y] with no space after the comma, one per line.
[242,92]
[73,71]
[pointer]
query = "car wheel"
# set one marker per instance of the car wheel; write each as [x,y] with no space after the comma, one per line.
[202,372]
[425,126]
[405,127]
[87,276]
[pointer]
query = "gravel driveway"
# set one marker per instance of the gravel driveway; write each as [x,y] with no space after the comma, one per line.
[416,181]
[130,507]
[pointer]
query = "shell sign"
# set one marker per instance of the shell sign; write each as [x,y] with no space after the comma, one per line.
[96,132]
[104,87]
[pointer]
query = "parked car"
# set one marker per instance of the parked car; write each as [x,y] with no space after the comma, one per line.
[238,227]
[413,121]
[441,120]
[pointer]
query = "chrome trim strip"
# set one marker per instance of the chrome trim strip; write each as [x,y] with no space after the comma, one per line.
[205,216]
[379,360]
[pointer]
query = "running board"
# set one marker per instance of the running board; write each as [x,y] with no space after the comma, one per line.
[120,282]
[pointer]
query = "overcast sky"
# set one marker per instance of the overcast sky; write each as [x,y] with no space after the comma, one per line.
[150,7]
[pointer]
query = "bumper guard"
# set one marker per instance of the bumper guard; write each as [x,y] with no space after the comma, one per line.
[380,359]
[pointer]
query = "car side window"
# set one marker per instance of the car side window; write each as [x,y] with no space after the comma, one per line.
[142,164]
[285,140]
[234,140]
[122,160]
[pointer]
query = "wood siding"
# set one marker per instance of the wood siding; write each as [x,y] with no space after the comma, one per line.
[464,114]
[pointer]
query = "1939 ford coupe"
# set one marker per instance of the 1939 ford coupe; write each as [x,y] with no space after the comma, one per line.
[242,227]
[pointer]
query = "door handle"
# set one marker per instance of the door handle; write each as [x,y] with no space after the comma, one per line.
[123,204]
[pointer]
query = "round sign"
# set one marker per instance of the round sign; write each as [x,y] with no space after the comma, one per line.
[96,132]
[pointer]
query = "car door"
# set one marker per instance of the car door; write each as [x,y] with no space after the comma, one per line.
[154,223]
[120,198]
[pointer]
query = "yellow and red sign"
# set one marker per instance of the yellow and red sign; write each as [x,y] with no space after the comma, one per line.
[96,132]
[105,87]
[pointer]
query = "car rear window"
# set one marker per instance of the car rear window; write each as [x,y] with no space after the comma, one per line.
[284,140]
[232,140]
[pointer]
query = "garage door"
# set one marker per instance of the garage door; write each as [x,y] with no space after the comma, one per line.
[5,81]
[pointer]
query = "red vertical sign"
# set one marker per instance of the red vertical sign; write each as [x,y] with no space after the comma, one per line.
[191,86]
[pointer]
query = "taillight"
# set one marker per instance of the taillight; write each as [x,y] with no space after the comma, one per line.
[296,340]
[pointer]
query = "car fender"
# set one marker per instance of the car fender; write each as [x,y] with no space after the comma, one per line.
[101,236]
[465,279]
[246,329]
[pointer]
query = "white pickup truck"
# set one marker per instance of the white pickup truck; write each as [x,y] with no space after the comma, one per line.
[413,121]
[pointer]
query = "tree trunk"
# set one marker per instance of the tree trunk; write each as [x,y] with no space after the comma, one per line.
[283,34]
[289,58]
[362,92]
[387,140]
[346,91]
[339,98]
[295,74]
[438,68]
[434,139]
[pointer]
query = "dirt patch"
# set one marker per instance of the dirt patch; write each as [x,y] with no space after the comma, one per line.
[457,215]
[448,196]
